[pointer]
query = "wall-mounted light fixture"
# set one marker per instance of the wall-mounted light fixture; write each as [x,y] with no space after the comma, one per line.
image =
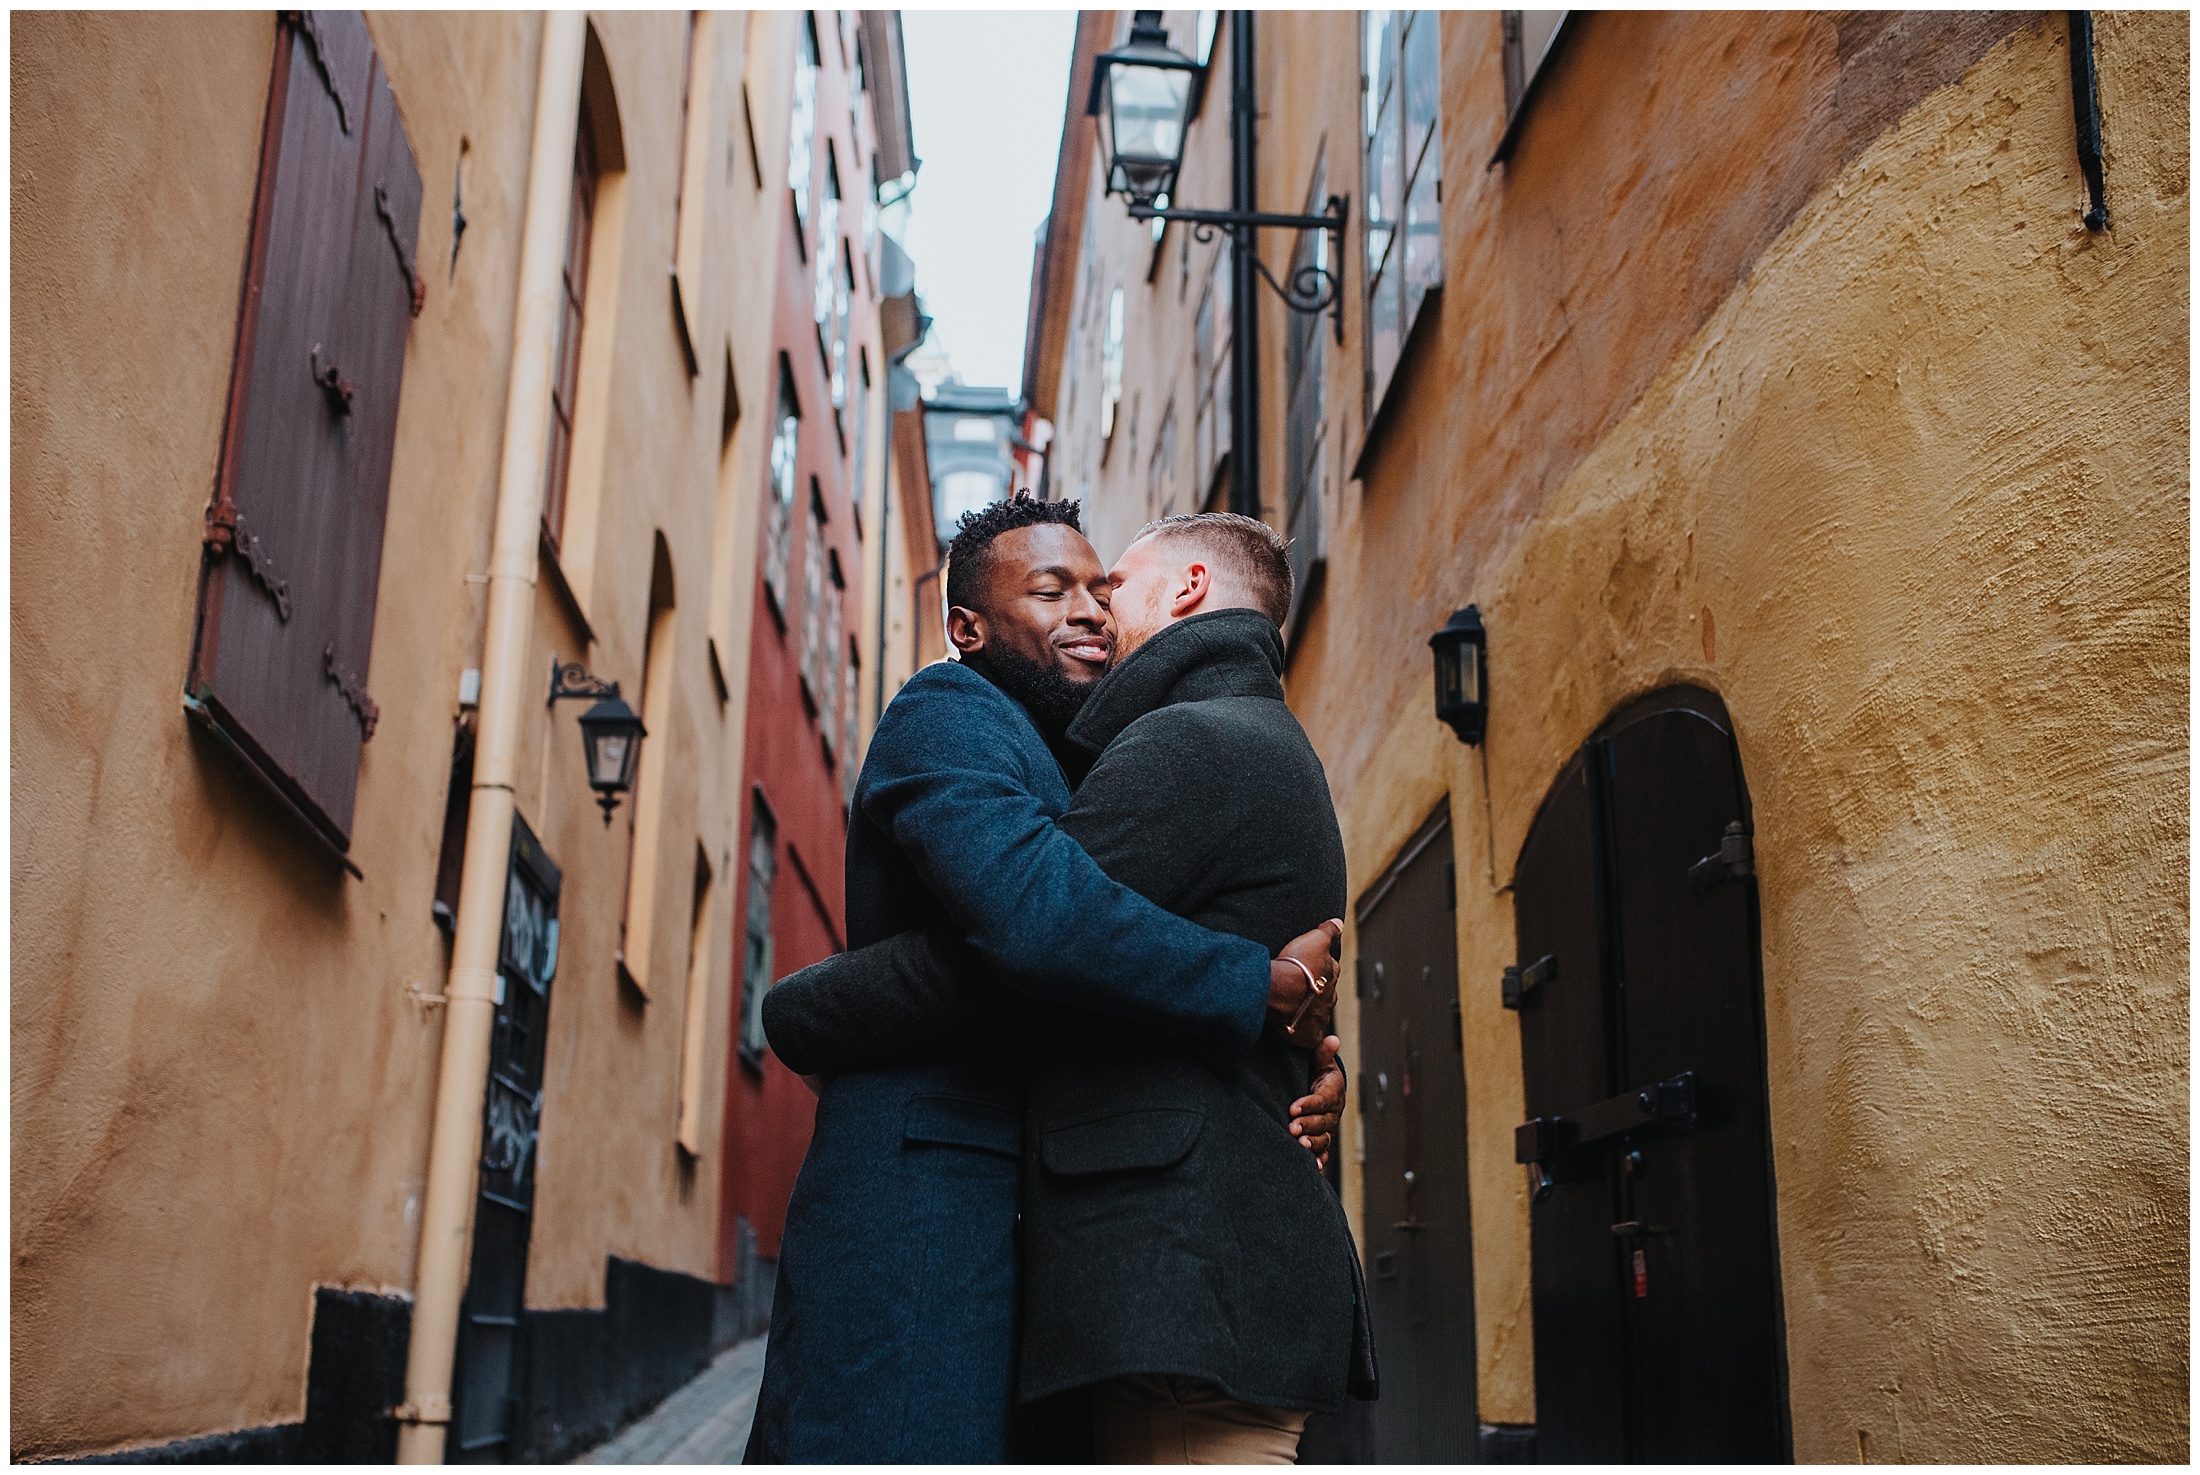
[1143,95]
[1462,672]
[611,735]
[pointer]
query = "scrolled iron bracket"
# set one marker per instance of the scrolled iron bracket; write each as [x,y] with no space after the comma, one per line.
[1311,288]
[572,679]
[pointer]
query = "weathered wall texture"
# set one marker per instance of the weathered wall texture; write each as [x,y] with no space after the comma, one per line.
[1913,499]
[222,1064]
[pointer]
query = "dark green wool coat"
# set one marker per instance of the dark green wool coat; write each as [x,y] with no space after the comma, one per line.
[1171,1222]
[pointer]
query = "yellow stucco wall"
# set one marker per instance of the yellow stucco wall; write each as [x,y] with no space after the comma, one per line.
[223,1068]
[1914,501]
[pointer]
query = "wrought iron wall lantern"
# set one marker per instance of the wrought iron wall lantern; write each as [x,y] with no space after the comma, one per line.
[1142,94]
[1462,690]
[611,735]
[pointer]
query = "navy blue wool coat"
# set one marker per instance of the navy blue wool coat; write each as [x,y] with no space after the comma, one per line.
[893,1337]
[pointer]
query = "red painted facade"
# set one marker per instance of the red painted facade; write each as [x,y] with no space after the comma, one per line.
[798,731]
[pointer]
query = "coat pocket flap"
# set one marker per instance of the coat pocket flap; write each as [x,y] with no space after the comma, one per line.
[1158,1137]
[952,1121]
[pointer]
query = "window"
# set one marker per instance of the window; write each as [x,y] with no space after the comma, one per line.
[1529,35]
[802,132]
[1403,154]
[831,641]
[1211,337]
[813,602]
[1111,366]
[862,431]
[1305,375]
[688,212]
[645,820]
[1161,468]
[694,1040]
[829,295]
[721,534]
[976,429]
[779,533]
[293,541]
[851,683]
[565,371]
[756,952]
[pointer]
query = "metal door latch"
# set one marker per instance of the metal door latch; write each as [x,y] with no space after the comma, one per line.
[1521,982]
[1670,1104]
[1735,860]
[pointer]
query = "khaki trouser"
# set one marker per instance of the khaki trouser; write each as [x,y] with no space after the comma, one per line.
[1160,1419]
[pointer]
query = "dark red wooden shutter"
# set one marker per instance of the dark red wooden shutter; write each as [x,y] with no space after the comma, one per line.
[294,538]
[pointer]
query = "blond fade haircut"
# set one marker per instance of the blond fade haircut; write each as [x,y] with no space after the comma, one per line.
[1246,546]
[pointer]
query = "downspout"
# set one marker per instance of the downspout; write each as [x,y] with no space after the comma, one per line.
[446,1223]
[1244,284]
[916,614]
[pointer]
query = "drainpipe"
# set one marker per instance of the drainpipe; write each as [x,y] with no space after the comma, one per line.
[446,1224]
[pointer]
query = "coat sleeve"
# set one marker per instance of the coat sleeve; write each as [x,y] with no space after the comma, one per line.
[947,781]
[897,1001]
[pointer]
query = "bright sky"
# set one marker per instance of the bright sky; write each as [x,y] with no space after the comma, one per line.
[986,91]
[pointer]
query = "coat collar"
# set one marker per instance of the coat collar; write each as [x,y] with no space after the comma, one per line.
[1223,653]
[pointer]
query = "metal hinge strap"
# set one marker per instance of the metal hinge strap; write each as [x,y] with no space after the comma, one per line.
[404,257]
[1735,860]
[226,533]
[354,691]
[1521,982]
[303,19]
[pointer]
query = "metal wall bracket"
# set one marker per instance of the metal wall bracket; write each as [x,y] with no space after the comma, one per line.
[2085,103]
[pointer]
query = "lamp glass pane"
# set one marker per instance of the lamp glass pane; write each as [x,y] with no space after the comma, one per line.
[609,765]
[1470,671]
[1146,105]
[1447,675]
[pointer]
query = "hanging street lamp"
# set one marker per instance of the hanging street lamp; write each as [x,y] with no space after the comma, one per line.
[1143,94]
[1462,690]
[1143,98]
[611,735]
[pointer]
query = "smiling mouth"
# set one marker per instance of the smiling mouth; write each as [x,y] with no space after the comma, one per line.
[1093,651]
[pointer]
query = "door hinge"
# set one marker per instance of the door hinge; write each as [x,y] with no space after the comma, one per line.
[1521,982]
[1735,860]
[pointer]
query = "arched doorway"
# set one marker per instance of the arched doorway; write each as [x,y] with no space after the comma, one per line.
[1658,1328]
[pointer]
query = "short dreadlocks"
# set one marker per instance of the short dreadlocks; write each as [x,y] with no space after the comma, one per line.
[970,556]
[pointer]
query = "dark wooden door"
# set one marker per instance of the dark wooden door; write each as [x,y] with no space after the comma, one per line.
[1413,1107]
[490,1351]
[1654,1257]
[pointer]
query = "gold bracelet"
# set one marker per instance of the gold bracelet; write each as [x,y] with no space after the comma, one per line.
[1313,982]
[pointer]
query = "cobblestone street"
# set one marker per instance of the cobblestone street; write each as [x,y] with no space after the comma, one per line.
[704,1423]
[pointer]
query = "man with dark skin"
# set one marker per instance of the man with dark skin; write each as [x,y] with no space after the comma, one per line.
[893,1326]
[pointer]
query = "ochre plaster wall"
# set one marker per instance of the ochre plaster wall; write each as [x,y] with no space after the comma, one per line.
[1913,499]
[223,1056]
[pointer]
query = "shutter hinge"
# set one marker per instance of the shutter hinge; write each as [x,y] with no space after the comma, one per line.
[303,20]
[1521,982]
[404,257]
[1735,860]
[225,533]
[354,690]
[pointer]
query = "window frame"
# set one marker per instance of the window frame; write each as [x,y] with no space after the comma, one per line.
[757,940]
[1387,91]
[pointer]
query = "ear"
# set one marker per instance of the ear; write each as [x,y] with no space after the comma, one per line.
[1192,587]
[967,629]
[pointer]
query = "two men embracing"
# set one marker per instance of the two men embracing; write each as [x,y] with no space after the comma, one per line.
[1063,1199]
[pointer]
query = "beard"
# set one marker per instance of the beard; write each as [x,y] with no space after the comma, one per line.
[1047,692]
